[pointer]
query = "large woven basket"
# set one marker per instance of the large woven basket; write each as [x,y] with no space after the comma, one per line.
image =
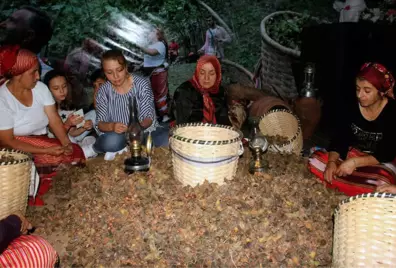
[14,182]
[275,66]
[284,123]
[365,232]
[204,152]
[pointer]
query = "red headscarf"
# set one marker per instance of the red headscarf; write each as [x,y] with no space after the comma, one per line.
[377,75]
[209,108]
[15,61]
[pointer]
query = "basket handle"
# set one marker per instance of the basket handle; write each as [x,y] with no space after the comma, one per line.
[241,149]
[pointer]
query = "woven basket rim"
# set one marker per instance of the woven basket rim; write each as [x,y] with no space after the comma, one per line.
[29,157]
[272,42]
[369,195]
[298,123]
[205,142]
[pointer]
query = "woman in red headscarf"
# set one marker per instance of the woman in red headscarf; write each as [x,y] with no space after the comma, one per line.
[202,98]
[361,153]
[27,108]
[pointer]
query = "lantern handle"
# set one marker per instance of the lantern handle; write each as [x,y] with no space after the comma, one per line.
[149,145]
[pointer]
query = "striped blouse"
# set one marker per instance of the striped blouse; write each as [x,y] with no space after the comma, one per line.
[114,107]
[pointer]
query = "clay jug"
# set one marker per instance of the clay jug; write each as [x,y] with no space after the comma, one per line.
[308,109]
[265,104]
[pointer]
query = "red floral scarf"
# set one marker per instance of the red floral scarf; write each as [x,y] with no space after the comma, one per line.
[209,107]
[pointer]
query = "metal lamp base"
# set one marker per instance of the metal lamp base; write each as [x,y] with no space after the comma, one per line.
[136,164]
[254,170]
[258,165]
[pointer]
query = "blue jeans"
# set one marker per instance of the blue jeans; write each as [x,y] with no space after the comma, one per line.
[110,142]
[160,135]
[114,142]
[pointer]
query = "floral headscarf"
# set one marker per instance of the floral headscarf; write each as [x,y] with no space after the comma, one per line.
[377,75]
[209,108]
[15,61]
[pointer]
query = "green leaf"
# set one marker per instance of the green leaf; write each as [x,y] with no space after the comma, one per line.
[57,7]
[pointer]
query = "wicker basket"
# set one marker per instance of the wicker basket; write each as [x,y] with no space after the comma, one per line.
[284,123]
[275,66]
[204,152]
[365,232]
[14,182]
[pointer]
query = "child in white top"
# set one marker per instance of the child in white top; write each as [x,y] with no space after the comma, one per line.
[58,85]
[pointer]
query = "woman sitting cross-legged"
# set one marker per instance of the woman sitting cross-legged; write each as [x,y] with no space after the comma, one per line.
[27,107]
[364,144]
[59,87]
[112,107]
[202,98]
[23,251]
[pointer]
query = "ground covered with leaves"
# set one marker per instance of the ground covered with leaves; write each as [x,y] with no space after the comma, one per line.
[100,217]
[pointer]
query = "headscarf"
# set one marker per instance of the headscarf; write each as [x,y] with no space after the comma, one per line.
[209,108]
[15,61]
[377,75]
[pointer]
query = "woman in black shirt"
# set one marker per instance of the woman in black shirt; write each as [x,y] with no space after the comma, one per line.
[366,135]
[202,98]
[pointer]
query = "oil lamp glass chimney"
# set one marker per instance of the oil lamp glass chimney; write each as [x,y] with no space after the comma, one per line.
[136,162]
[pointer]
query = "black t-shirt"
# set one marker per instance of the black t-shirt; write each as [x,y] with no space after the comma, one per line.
[376,137]
[187,105]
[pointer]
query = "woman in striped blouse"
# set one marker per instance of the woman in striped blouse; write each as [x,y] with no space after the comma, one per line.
[112,106]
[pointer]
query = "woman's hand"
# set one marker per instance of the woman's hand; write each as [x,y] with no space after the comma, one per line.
[346,168]
[387,188]
[119,128]
[55,150]
[330,170]
[219,40]
[88,125]
[146,123]
[68,149]
[25,224]
[73,120]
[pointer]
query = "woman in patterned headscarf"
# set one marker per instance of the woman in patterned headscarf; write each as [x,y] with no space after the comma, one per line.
[27,107]
[361,152]
[202,98]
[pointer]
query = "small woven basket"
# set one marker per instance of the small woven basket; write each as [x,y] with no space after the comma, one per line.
[284,123]
[276,60]
[204,152]
[14,182]
[365,231]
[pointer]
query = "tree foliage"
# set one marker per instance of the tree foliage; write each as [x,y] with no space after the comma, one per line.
[183,20]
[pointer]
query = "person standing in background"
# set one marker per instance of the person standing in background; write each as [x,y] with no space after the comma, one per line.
[215,38]
[173,51]
[155,65]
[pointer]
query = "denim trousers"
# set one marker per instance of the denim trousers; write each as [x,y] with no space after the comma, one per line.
[114,142]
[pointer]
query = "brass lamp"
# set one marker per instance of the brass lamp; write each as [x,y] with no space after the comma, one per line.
[137,162]
[258,145]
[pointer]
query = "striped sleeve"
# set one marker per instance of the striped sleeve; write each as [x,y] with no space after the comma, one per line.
[145,98]
[102,103]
